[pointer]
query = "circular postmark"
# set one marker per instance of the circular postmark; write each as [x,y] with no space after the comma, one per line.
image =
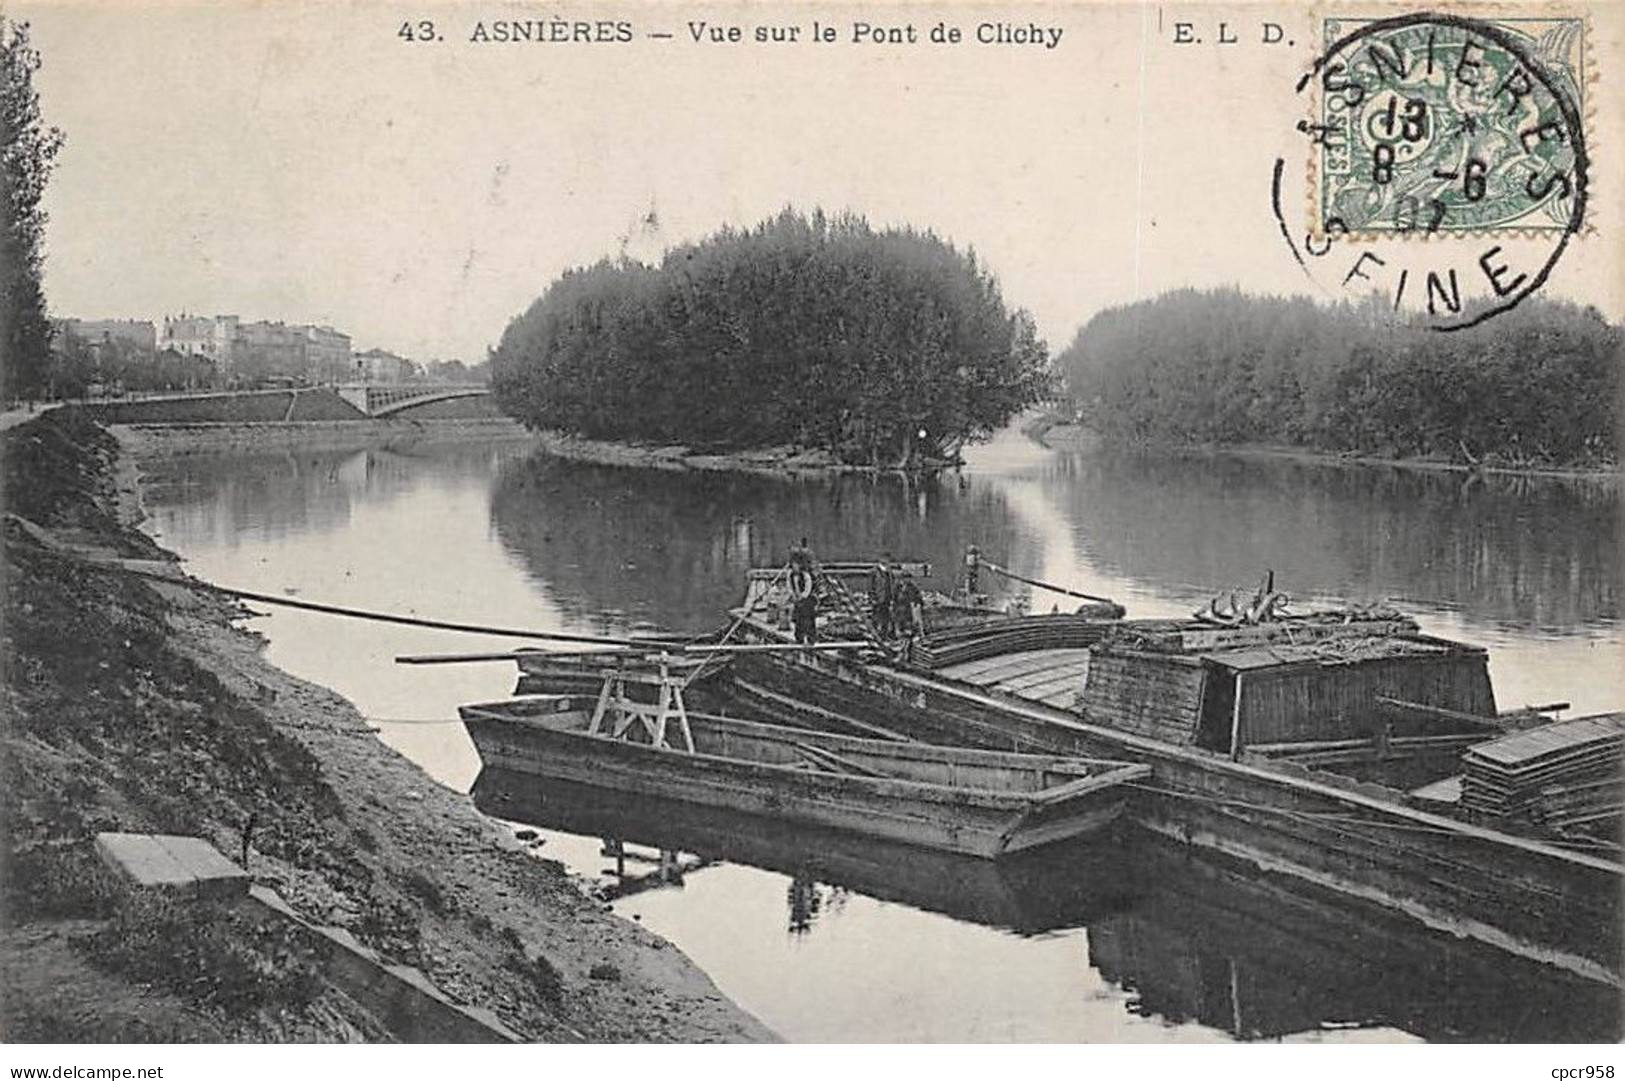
[1446,166]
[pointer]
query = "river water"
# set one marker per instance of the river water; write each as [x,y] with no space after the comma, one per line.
[827,940]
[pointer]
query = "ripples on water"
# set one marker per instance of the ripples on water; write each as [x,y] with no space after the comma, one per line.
[828,940]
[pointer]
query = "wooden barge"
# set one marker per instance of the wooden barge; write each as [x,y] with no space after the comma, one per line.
[983,803]
[1032,892]
[1292,745]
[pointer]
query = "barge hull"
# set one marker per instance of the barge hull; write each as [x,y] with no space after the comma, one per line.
[977,827]
[1533,899]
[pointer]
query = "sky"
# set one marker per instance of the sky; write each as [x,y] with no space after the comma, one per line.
[305,163]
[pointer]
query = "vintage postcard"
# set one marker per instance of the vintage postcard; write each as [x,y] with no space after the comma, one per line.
[915,523]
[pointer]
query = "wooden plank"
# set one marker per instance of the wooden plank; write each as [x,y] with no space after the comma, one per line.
[1070,680]
[844,764]
[1235,721]
[1098,782]
[847,569]
[990,670]
[1436,714]
[1523,747]
[1020,664]
[1061,661]
[970,670]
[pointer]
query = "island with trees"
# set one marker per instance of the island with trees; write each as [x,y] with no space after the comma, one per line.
[884,348]
[1534,388]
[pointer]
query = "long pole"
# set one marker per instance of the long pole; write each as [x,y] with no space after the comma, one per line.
[709,650]
[996,569]
[356,613]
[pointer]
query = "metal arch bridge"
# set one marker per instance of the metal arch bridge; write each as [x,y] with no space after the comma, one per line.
[383,399]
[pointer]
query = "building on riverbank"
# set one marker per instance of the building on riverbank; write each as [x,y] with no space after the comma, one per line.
[139,334]
[209,336]
[382,366]
[327,354]
[264,349]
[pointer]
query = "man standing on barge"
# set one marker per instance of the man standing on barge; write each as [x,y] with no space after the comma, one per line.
[803,604]
[973,571]
[882,594]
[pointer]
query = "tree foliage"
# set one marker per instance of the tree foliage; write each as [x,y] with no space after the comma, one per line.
[1538,385]
[811,330]
[78,367]
[455,371]
[27,148]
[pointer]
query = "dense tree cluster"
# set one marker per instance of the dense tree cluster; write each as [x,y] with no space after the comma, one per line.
[812,330]
[455,371]
[77,368]
[27,148]
[1538,385]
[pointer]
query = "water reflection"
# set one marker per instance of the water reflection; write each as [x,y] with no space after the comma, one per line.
[1521,552]
[1230,947]
[1190,939]
[230,498]
[808,899]
[669,547]
[672,548]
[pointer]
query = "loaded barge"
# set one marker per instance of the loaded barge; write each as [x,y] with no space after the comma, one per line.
[1329,748]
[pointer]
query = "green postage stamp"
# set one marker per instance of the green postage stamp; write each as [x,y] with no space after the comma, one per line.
[1428,124]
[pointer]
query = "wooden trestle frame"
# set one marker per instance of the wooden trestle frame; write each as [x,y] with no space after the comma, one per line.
[621,711]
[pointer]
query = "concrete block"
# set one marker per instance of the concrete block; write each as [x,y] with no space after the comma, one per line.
[408,1002]
[184,865]
[216,875]
[143,862]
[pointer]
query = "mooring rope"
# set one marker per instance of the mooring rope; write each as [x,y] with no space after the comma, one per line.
[412,720]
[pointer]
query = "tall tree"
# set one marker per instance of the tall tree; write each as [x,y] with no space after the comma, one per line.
[27,149]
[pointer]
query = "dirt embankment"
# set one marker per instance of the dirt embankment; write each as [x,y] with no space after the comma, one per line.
[140,705]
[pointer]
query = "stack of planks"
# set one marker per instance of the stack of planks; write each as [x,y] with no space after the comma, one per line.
[1567,776]
[1015,634]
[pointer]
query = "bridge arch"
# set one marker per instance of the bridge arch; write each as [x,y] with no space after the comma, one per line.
[382,400]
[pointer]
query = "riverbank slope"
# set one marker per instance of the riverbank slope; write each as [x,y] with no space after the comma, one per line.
[176,440]
[142,706]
